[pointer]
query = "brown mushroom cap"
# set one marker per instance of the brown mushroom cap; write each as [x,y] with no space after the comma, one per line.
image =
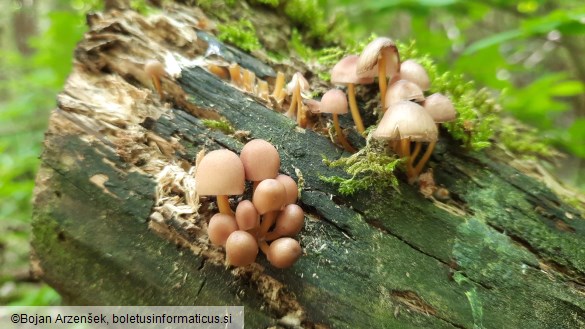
[284,252]
[404,90]
[220,227]
[260,160]
[220,172]
[292,191]
[334,101]
[406,120]
[154,68]
[246,215]
[366,65]
[290,221]
[270,195]
[344,72]
[241,248]
[412,71]
[440,108]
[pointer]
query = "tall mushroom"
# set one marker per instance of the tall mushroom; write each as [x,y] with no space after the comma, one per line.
[335,102]
[297,85]
[405,122]
[344,72]
[220,173]
[441,109]
[383,53]
[155,71]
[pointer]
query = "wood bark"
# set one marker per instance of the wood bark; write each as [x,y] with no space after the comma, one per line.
[503,252]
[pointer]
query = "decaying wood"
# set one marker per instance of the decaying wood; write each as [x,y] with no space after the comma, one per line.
[114,199]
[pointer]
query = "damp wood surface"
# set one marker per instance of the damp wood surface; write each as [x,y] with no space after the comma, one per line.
[503,252]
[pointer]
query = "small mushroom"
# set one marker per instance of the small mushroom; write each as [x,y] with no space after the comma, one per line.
[156,71]
[241,248]
[404,90]
[220,173]
[260,160]
[290,186]
[297,85]
[405,122]
[412,71]
[278,93]
[269,198]
[335,102]
[284,252]
[220,227]
[247,216]
[383,53]
[344,72]
[288,223]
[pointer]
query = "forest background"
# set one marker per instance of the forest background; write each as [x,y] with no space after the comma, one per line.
[527,53]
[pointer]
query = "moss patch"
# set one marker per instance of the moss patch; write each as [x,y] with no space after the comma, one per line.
[240,33]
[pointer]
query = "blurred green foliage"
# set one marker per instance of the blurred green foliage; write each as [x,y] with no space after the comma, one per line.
[29,84]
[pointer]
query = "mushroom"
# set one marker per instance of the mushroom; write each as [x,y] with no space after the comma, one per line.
[235,74]
[156,71]
[344,72]
[335,102]
[412,71]
[269,198]
[220,227]
[441,109]
[283,252]
[404,90]
[405,122]
[297,84]
[241,248]
[260,160]
[288,223]
[278,93]
[290,186]
[247,216]
[383,53]
[220,173]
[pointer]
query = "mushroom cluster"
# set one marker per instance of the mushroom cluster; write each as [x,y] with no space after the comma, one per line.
[408,115]
[269,222]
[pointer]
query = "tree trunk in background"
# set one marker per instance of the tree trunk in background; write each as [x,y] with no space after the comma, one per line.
[24,23]
[503,252]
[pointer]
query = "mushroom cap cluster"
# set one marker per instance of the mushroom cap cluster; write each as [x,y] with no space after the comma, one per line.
[406,119]
[244,232]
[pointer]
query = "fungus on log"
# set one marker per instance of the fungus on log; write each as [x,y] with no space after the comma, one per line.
[114,199]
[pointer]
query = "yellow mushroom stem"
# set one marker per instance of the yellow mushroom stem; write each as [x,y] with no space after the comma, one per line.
[249,80]
[272,236]
[264,247]
[157,85]
[382,81]
[278,85]
[340,137]
[235,75]
[355,112]
[296,98]
[424,158]
[417,147]
[262,91]
[267,221]
[223,203]
[301,114]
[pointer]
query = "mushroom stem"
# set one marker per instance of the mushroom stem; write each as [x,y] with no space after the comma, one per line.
[340,137]
[262,91]
[249,79]
[424,158]
[223,203]
[267,221]
[382,81]
[355,113]
[278,85]
[301,114]
[295,100]
[157,85]
[264,247]
[417,147]
[272,236]
[235,74]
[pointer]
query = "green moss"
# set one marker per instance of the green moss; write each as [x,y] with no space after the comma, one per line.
[240,33]
[271,3]
[523,140]
[222,125]
[473,299]
[369,168]
[308,14]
